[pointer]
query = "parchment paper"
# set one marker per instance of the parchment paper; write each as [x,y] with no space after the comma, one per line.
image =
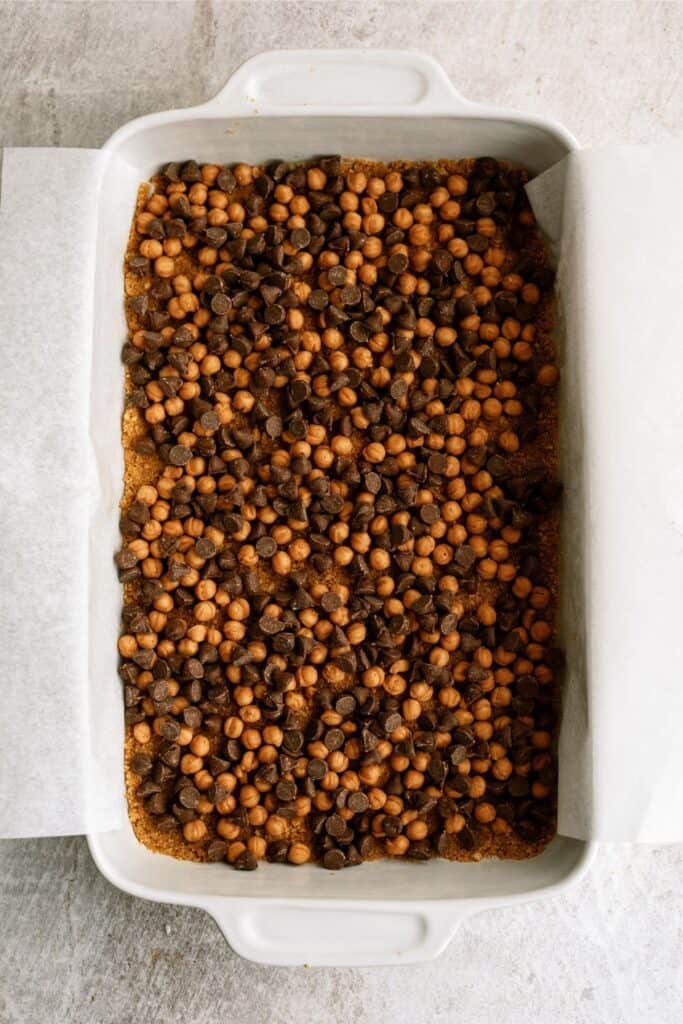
[616,223]
[56,777]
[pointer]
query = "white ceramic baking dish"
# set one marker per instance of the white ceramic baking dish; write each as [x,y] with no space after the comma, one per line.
[379,104]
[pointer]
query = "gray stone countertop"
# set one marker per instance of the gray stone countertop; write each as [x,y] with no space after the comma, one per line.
[74,949]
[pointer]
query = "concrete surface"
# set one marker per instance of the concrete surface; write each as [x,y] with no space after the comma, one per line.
[75,950]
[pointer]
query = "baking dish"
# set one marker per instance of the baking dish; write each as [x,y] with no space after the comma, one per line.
[291,104]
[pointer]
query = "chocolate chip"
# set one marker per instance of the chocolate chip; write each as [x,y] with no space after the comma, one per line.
[216,850]
[358,803]
[205,548]
[457,754]
[285,790]
[398,263]
[467,838]
[350,295]
[266,547]
[158,690]
[392,826]
[464,556]
[330,601]
[390,722]
[334,859]
[192,717]
[246,862]
[318,299]
[189,797]
[334,739]
[316,768]
[300,238]
[220,304]
[345,705]
[429,513]
[277,851]
[449,624]
[293,741]
[299,391]
[141,764]
[485,204]
[194,668]
[156,804]
[335,826]
[273,426]
[270,625]
[179,455]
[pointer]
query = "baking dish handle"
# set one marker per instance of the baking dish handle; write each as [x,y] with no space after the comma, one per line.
[283,935]
[379,81]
